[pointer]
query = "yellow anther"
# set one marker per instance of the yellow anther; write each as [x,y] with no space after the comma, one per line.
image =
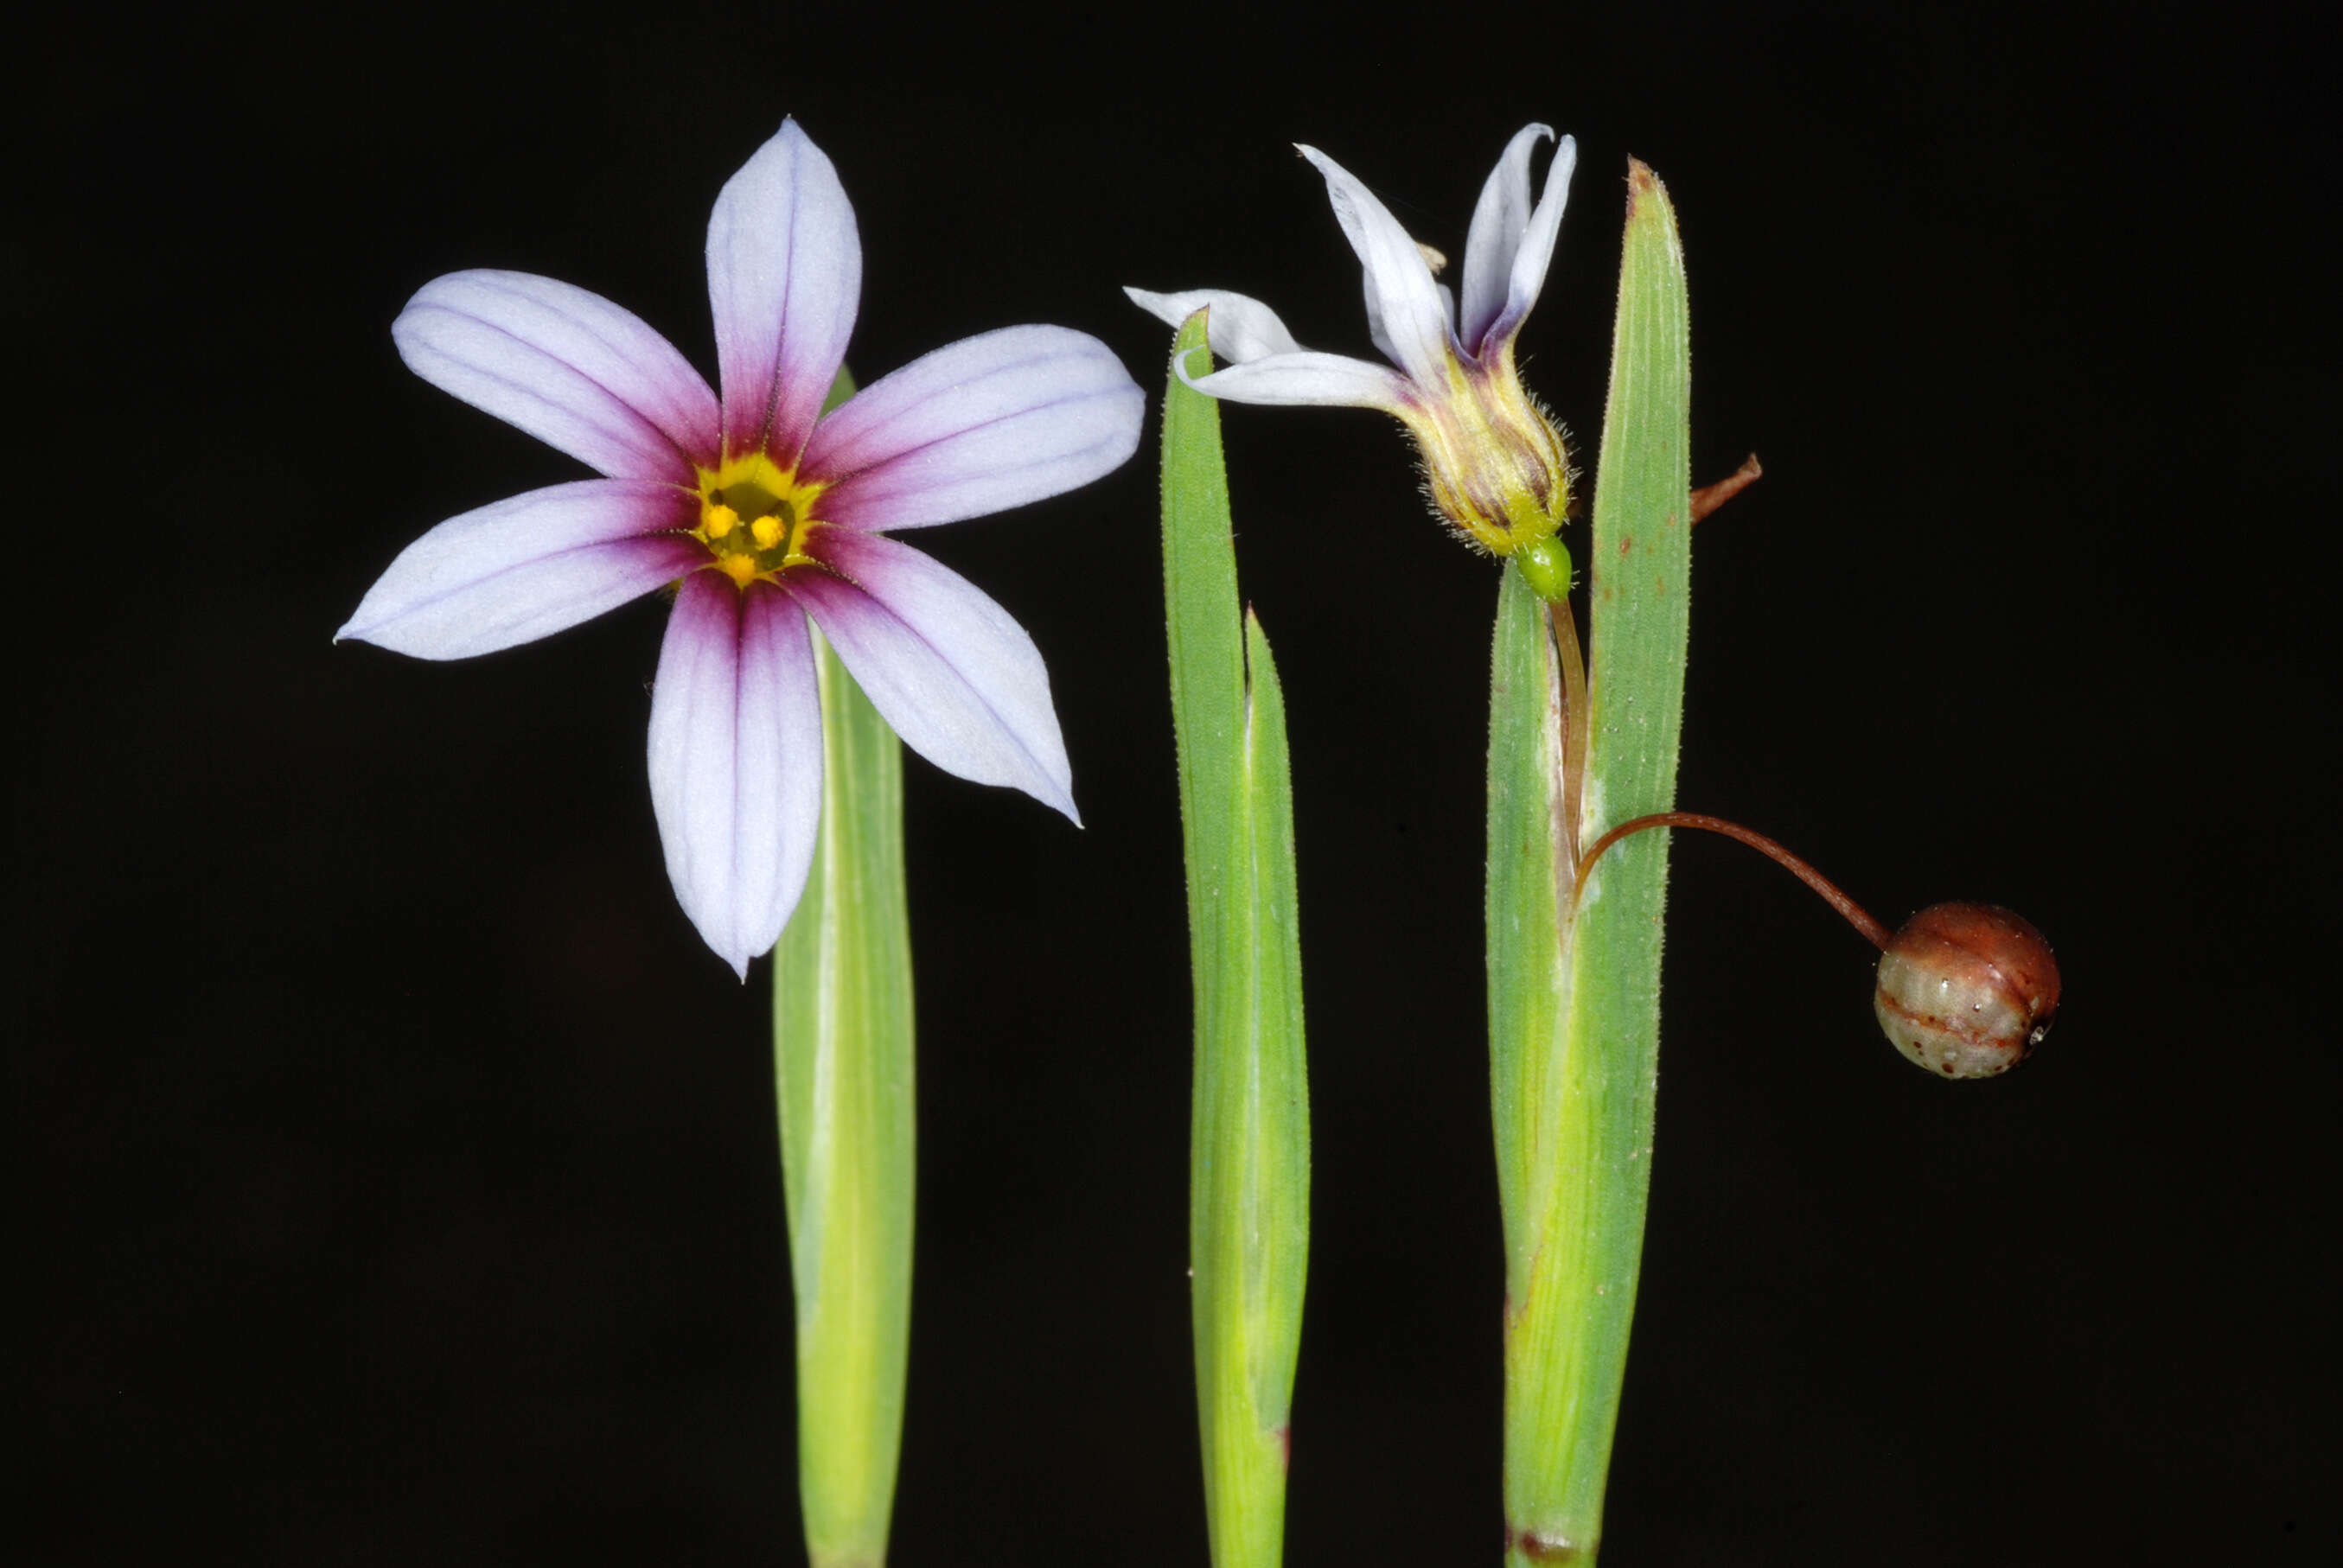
[754,518]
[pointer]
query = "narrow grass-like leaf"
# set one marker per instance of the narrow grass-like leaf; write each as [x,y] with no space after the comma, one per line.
[1528,980]
[843,1058]
[1574,1104]
[1249,1183]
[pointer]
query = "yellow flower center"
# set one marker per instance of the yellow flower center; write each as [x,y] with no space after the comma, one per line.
[754,518]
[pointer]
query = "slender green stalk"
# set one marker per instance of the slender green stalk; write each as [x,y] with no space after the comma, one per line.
[1249,1184]
[842,1059]
[1573,994]
[842,1053]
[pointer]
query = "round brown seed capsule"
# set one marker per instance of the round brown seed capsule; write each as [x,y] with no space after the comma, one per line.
[1965,991]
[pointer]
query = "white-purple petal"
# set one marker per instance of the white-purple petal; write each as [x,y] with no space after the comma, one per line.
[1241,328]
[567,366]
[528,567]
[1290,380]
[1498,219]
[1527,275]
[988,423]
[946,667]
[1403,310]
[1383,340]
[736,760]
[785,278]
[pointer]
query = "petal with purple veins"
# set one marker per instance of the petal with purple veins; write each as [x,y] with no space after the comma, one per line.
[567,366]
[735,762]
[785,279]
[988,423]
[528,567]
[946,667]
[1403,310]
[1499,220]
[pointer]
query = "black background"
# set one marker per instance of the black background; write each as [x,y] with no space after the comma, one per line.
[402,1169]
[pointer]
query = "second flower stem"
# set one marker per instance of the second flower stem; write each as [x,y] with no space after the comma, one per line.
[842,1057]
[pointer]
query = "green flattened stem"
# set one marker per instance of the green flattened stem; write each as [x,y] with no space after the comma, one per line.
[1574,996]
[842,1057]
[1249,1182]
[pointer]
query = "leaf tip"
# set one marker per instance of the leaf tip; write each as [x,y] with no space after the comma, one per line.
[1643,186]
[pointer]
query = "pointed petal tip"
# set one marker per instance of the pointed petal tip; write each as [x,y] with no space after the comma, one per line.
[1405,319]
[579,372]
[525,567]
[956,679]
[785,285]
[735,756]
[1162,307]
[359,627]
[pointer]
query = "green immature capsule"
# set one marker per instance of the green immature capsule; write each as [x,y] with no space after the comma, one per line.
[1545,566]
[1966,990]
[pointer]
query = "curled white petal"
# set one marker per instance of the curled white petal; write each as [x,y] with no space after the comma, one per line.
[1527,275]
[1383,340]
[785,278]
[527,568]
[735,762]
[946,667]
[988,423]
[1499,220]
[1241,328]
[1403,310]
[1332,380]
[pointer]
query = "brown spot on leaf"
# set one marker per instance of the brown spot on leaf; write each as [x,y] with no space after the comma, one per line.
[1537,1548]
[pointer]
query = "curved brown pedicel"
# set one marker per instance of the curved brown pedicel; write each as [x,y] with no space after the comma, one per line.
[1966,990]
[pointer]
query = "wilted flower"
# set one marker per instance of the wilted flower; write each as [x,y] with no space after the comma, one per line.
[1493,463]
[765,514]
